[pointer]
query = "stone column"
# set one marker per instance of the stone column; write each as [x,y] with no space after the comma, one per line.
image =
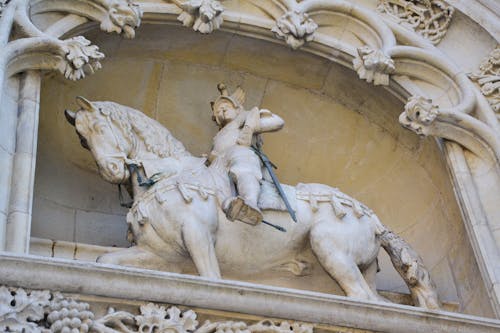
[8,122]
[8,117]
[23,171]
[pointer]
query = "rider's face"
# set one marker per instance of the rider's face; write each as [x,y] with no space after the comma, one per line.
[226,112]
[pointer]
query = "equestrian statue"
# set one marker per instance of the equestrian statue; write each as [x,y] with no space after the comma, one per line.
[186,206]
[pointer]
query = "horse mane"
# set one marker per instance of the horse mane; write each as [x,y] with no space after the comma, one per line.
[156,137]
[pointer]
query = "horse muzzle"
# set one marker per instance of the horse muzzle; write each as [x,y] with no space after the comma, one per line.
[113,170]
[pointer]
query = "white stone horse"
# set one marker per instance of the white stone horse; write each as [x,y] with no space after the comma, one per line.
[180,215]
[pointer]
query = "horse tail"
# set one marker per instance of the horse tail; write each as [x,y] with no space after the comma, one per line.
[410,266]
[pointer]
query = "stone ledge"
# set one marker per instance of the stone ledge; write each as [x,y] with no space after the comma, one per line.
[129,283]
[89,253]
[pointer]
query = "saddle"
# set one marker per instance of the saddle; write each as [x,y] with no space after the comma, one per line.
[270,199]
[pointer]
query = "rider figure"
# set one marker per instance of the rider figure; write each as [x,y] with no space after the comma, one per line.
[239,131]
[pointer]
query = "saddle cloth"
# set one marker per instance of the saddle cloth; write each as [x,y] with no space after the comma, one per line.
[270,199]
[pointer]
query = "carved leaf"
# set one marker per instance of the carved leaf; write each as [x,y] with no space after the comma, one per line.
[154,318]
[373,65]
[418,114]
[488,78]
[19,311]
[123,16]
[223,327]
[296,28]
[81,58]
[36,313]
[269,326]
[202,15]
[3,4]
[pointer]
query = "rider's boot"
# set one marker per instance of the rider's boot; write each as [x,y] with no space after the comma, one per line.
[244,207]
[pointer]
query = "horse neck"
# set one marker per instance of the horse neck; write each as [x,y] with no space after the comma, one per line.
[145,157]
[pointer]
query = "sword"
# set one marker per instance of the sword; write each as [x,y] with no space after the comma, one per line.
[269,167]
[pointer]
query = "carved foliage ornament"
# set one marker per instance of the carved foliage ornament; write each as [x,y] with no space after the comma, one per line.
[488,77]
[419,112]
[373,65]
[430,18]
[204,16]
[123,16]
[47,312]
[20,311]
[296,28]
[3,3]
[74,57]
[81,58]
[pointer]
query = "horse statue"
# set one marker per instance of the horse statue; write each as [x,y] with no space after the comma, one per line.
[180,215]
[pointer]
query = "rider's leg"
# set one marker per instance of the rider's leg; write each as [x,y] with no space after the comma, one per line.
[245,170]
[248,187]
[244,207]
[246,173]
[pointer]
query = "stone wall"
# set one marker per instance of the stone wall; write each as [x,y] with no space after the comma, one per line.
[339,131]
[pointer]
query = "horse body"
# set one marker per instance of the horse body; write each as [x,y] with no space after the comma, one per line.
[180,216]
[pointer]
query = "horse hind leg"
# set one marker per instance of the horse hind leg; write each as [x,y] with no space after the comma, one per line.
[369,274]
[339,265]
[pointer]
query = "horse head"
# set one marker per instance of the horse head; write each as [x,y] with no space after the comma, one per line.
[102,130]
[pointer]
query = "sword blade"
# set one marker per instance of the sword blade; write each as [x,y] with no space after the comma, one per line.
[281,192]
[269,167]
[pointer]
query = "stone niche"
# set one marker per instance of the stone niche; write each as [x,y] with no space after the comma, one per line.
[339,131]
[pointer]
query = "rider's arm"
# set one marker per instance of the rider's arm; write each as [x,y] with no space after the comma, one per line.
[269,122]
[250,127]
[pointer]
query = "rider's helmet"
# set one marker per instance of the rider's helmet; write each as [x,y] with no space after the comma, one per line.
[225,101]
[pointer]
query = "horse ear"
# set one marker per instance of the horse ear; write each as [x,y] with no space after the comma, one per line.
[70,116]
[84,103]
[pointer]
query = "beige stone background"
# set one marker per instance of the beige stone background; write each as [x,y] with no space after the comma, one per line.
[339,131]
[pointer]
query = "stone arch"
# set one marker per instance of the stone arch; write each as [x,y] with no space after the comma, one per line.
[379,50]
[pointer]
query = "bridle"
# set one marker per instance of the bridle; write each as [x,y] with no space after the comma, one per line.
[131,164]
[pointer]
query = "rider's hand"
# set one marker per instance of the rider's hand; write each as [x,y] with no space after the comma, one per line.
[245,137]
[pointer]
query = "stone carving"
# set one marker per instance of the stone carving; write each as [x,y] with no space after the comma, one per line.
[3,3]
[204,16]
[152,318]
[239,133]
[430,18]
[419,113]
[67,315]
[74,57]
[488,77]
[409,265]
[373,65]
[295,27]
[424,118]
[19,311]
[264,326]
[47,312]
[179,212]
[81,57]
[122,17]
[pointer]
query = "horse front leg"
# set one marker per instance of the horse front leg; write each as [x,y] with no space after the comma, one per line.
[136,256]
[199,242]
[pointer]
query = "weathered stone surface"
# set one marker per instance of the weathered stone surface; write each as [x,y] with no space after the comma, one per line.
[342,28]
